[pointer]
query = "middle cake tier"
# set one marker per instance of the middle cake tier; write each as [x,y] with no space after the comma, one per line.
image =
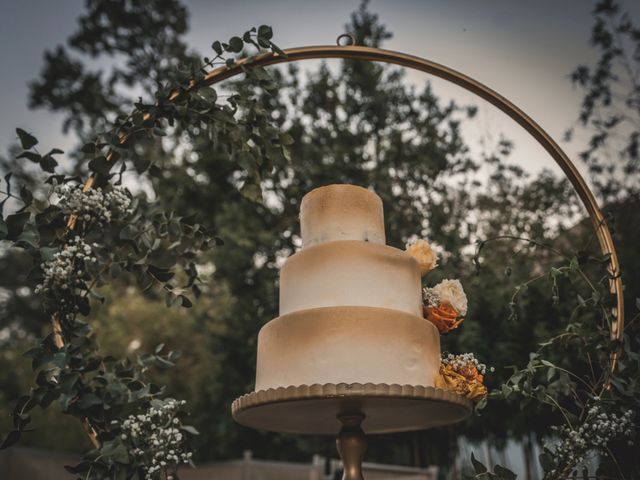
[350,273]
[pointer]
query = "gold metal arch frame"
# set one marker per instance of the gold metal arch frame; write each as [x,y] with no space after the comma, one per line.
[354,52]
[417,407]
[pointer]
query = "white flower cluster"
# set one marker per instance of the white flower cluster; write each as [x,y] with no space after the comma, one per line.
[94,203]
[449,292]
[430,297]
[64,268]
[464,362]
[595,433]
[155,439]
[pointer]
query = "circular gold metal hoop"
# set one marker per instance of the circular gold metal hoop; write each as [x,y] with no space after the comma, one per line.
[416,63]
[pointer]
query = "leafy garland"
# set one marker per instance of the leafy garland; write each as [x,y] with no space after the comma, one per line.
[81,237]
[595,396]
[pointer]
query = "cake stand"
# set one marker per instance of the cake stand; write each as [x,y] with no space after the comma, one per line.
[350,411]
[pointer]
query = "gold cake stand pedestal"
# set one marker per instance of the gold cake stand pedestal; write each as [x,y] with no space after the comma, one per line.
[350,411]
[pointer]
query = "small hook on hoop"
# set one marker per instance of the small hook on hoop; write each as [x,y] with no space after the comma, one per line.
[350,43]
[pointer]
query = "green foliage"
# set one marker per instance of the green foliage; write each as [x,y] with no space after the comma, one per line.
[610,109]
[90,237]
[572,372]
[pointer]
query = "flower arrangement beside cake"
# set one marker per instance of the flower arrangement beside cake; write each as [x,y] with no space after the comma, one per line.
[445,306]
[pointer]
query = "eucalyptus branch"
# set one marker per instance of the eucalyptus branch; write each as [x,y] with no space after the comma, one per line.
[481,244]
[71,270]
[554,403]
[11,195]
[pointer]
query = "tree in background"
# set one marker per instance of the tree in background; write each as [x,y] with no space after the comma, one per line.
[610,118]
[610,110]
[352,122]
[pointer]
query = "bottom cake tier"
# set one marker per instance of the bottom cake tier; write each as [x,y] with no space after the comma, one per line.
[333,345]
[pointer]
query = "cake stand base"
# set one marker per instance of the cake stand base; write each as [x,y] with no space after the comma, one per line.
[349,411]
[352,444]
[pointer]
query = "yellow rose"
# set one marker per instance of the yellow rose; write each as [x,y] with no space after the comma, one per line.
[472,388]
[422,252]
[451,293]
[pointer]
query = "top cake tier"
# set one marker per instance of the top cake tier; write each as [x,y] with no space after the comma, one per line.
[341,212]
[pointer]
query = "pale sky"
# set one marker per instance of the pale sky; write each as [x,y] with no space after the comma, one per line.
[523,50]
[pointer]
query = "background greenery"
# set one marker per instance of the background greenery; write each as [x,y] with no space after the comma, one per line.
[351,122]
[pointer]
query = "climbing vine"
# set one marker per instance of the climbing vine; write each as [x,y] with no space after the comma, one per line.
[582,374]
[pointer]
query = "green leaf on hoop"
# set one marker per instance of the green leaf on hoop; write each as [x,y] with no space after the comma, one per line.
[48,163]
[217,47]
[33,156]
[504,473]
[115,450]
[277,49]
[11,438]
[546,461]
[100,165]
[26,140]
[88,148]
[15,224]
[235,45]
[265,31]
[190,429]
[477,466]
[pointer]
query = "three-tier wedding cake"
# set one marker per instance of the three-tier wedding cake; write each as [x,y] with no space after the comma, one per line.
[350,306]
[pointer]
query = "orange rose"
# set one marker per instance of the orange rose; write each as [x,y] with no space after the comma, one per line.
[444,317]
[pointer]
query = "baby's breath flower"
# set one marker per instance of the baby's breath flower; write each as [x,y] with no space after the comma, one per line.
[63,271]
[154,441]
[93,204]
[593,435]
[430,297]
[464,362]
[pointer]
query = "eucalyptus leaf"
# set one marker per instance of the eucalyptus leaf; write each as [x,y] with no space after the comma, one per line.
[190,429]
[32,156]
[265,32]
[10,438]
[26,139]
[48,163]
[477,466]
[217,47]
[235,45]
[100,165]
